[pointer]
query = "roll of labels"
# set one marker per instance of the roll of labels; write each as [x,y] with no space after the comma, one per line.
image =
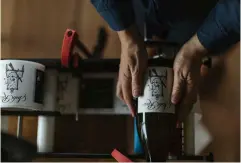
[22,84]
[29,86]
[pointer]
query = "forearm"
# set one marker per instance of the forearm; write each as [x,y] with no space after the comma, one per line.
[119,14]
[222,27]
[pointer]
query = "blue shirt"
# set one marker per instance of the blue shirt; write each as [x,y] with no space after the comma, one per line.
[219,30]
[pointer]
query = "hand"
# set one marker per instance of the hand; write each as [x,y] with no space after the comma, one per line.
[132,67]
[186,68]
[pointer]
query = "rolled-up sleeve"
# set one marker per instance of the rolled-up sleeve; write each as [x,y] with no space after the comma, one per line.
[119,14]
[221,29]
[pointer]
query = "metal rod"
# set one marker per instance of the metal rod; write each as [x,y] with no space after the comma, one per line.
[20,126]
[29,113]
[94,65]
[91,155]
[83,155]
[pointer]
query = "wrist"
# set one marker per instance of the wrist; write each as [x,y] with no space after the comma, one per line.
[197,48]
[130,36]
[193,48]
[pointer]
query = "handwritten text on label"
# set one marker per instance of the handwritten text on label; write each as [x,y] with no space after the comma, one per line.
[13,99]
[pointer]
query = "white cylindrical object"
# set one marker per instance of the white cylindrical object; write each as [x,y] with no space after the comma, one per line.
[46,125]
[157,91]
[22,84]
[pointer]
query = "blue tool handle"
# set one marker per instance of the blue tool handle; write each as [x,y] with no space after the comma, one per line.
[137,142]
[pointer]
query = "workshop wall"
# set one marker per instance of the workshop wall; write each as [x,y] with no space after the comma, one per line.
[35,28]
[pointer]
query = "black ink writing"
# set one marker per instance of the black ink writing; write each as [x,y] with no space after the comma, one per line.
[13,99]
[13,76]
[157,83]
[156,105]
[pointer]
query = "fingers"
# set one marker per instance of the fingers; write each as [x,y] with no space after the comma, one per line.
[191,90]
[137,69]
[130,81]
[178,84]
[127,93]
[136,85]
[137,80]
[119,93]
[123,89]
[184,92]
[186,105]
[189,98]
[204,71]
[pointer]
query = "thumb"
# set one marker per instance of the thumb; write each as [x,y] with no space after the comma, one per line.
[178,84]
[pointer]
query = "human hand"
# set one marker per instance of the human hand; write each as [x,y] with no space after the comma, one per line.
[133,65]
[186,69]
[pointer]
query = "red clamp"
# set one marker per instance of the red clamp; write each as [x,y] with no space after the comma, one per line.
[72,46]
[67,60]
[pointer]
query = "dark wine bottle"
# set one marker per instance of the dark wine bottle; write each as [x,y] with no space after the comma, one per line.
[156,118]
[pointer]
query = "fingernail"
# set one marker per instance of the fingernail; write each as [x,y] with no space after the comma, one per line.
[174,100]
[132,114]
[136,94]
[132,111]
[178,125]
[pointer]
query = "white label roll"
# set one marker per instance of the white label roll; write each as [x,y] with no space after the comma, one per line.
[157,91]
[22,84]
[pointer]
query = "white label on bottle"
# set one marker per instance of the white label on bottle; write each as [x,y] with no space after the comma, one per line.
[157,91]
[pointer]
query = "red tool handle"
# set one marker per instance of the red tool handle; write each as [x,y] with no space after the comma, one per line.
[67,47]
[119,156]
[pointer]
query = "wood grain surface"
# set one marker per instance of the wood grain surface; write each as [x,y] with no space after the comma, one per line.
[35,28]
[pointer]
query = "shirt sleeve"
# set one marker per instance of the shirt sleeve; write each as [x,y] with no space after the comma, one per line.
[119,14]
[221,29]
